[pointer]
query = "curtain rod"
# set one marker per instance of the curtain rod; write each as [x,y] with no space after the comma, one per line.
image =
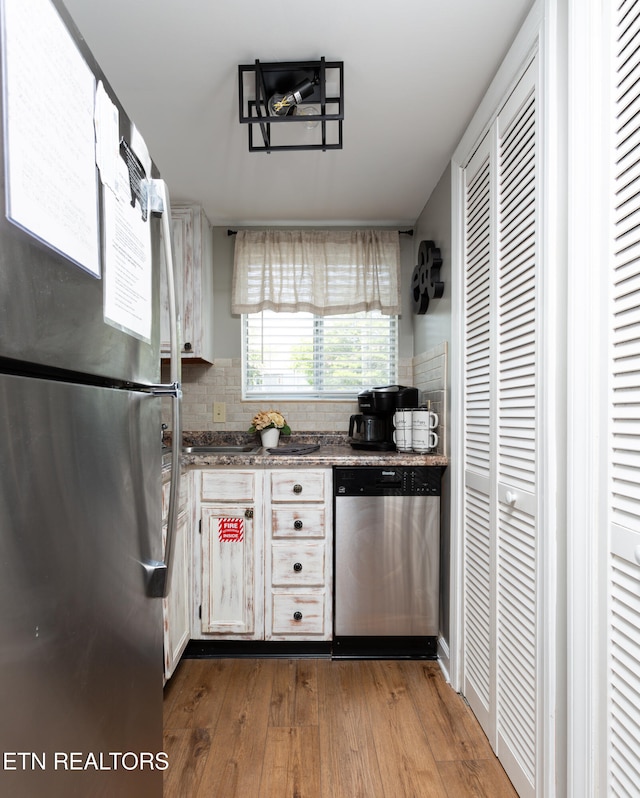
[400,232]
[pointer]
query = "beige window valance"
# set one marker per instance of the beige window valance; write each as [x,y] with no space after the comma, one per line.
[322,272]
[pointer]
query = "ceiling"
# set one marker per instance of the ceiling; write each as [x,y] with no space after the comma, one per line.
[414,73]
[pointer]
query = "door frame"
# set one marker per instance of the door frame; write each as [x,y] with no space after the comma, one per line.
[589,233]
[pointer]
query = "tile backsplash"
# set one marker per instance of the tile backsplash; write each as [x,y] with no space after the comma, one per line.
[430,377]
[222,382]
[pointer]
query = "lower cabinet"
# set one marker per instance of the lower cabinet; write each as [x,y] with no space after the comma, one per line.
[228,605]
[265,565]
[176,608]
[229,587]
[298,562]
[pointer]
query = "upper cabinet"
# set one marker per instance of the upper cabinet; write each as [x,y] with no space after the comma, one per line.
[193,248]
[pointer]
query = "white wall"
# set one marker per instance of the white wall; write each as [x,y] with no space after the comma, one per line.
[434,224]
[432,332]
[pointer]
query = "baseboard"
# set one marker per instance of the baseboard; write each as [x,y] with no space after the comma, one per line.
[210,649]
[339,648]
[385,648]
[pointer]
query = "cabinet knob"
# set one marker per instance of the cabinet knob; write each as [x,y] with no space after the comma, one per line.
[187,347]
[297,488]
[248,513]
[297,616]
[297,566]
[297,524]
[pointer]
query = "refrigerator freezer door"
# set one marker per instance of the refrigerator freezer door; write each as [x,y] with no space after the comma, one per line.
[53,311]
[81,644]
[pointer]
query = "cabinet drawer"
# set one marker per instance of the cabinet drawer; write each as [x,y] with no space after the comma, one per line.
[297,565]
[297,486]
[297,613]
[306,521]
[228,486]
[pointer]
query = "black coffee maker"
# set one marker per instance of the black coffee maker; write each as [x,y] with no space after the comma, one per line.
[372,428]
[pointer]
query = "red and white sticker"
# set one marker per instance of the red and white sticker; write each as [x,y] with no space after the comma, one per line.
[230,530]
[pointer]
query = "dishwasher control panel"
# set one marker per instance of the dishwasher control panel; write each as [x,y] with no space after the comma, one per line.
[387,480]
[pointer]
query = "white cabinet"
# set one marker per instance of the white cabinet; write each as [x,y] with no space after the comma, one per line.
[193,249]
[176,607]
[228,570]
[264,562]
[298,562]
[230,591]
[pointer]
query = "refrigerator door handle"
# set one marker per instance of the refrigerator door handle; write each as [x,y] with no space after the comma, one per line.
[167,389]
[159,573]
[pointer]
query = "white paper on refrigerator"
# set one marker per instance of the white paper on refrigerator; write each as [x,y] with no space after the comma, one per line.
[52,186]
[127,256]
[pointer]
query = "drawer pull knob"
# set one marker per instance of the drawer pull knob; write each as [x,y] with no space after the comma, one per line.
[297,566]
[297,616]
[248,513]
[297,488]
[297,524]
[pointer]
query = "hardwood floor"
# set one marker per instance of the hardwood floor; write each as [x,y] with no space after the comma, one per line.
[306,728]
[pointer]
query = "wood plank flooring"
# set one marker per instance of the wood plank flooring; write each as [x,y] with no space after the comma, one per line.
[306,728]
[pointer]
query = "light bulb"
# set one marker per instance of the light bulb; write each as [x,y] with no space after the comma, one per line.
[283,104]
[311,111]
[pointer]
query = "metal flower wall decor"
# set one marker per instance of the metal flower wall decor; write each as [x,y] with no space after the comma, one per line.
[425,280]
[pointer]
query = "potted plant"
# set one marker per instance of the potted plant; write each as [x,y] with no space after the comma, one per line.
[270,423]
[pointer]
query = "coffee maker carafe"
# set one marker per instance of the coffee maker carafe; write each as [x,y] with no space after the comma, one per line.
[366,428]
[372,428]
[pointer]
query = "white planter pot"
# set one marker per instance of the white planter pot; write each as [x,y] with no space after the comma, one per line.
[270,437]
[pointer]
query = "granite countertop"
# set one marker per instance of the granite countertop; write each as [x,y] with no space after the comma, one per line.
[334,450]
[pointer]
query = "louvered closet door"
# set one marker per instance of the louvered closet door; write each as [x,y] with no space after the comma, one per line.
[623,767]
[500,649]
[479,570]
[517,434]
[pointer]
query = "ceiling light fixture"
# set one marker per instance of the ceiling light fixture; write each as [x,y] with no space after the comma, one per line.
[277,97]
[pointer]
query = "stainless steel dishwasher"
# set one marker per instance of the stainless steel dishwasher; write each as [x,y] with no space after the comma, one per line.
[386,561]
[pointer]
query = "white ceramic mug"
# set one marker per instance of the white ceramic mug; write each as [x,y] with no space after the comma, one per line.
[424,439]
[425,418]
[403,423]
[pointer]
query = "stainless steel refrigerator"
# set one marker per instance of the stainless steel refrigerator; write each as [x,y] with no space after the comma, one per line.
[82,570]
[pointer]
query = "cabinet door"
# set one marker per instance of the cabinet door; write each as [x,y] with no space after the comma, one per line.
[228,571]
[193,245]
[178,233]
[176,607]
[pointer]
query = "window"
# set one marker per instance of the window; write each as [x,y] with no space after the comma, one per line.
[319,357]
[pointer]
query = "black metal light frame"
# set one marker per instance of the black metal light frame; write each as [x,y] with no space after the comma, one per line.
[280,77]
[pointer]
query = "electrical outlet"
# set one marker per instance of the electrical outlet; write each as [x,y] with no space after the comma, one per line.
[219,411]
